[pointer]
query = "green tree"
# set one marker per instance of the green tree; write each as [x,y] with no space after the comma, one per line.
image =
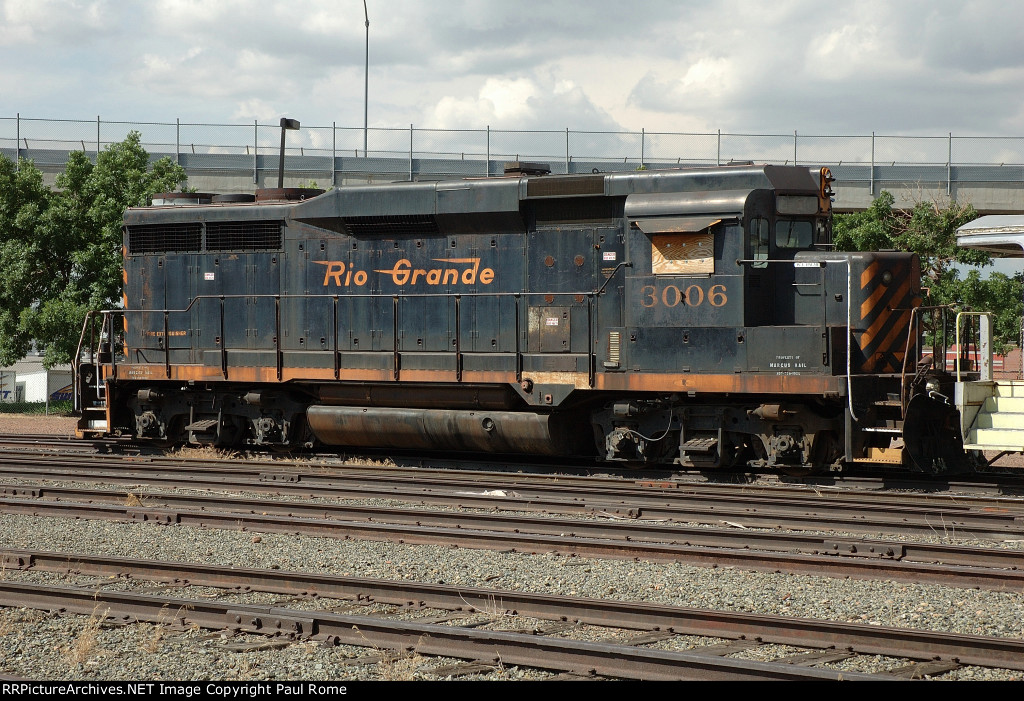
[61,248]
[929,230]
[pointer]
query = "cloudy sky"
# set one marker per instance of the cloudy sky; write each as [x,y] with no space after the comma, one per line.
[916,67]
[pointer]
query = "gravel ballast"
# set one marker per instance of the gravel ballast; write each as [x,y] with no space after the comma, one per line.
[40,645]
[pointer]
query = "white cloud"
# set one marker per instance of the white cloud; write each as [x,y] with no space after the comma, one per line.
[27,21]
[920,66]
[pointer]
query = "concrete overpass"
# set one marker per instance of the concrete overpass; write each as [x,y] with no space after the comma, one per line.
[991,188]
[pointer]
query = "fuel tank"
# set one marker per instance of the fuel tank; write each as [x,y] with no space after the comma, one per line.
[451,430]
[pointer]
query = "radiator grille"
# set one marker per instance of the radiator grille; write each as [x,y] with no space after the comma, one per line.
[165,238]
[392,225]
[243,236]
[565,185]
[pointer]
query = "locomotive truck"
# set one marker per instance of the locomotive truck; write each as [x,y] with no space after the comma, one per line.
[690,318]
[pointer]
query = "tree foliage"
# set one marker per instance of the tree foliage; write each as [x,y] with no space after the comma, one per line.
[60,249]
[929,229]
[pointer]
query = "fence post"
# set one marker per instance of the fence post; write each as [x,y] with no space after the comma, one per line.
[410,153]
[871,191]
[255,148]
[643,137]
[334,154]
[177,140]
[97,138]
[718,157]
[949,166]
[487,163]
[17,142]
[567,150]
[794,147]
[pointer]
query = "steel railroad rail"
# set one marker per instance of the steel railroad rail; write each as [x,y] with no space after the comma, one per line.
[859,638]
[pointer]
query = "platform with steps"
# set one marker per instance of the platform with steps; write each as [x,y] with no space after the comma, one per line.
[992,414]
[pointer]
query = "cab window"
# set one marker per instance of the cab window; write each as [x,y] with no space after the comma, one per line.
[758,237]
[793,233]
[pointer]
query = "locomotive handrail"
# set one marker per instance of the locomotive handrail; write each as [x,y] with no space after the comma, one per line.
[906,350]
[78,357]
[360,295]
[623,264]
[984,347]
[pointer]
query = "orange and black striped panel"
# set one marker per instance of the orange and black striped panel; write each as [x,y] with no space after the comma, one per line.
[889,288]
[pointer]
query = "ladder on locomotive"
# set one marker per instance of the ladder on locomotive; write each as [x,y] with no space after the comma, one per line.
[90,387]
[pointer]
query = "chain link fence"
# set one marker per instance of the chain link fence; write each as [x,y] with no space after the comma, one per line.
[331,154]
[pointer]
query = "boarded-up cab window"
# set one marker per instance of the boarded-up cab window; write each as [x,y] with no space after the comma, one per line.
[681,245]
[683,254]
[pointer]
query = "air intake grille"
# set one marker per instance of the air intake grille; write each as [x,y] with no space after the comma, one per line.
[565,185]
[165,238]
[243,236]
[392,225]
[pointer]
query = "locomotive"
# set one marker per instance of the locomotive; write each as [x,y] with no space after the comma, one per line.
[689,318]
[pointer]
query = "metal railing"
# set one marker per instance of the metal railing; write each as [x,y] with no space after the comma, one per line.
[329,151]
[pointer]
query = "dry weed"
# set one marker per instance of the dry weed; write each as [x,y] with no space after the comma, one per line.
[152,646]
[399,666]
[87,644]
[395,665]
[206,452]
[493,608]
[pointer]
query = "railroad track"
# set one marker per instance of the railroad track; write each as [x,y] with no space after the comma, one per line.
[994,483]
[825,640]
[992,569]
[855,511]
[611,517]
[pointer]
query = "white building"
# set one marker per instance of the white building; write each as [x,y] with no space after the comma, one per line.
[29,381]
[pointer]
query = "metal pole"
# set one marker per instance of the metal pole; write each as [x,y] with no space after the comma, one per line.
[719,156]
[487,163]
[97,138]
[567,150]
[280,162]
[366,82]
[949,166]
[334,154]
[286,124]
[794,147]
[643,134]
[410,153]
[872,190]
[255,147]
[177,140]
[17,143]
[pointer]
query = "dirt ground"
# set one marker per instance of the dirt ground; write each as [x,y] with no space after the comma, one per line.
[38,424]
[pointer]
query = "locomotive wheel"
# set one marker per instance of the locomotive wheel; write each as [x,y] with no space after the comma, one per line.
[931,433]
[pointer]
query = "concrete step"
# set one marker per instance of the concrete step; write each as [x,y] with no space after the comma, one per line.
[1004,404]
[1009,388]
[995,439]
[1000,419]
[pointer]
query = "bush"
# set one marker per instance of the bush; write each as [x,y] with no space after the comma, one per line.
[65,408]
